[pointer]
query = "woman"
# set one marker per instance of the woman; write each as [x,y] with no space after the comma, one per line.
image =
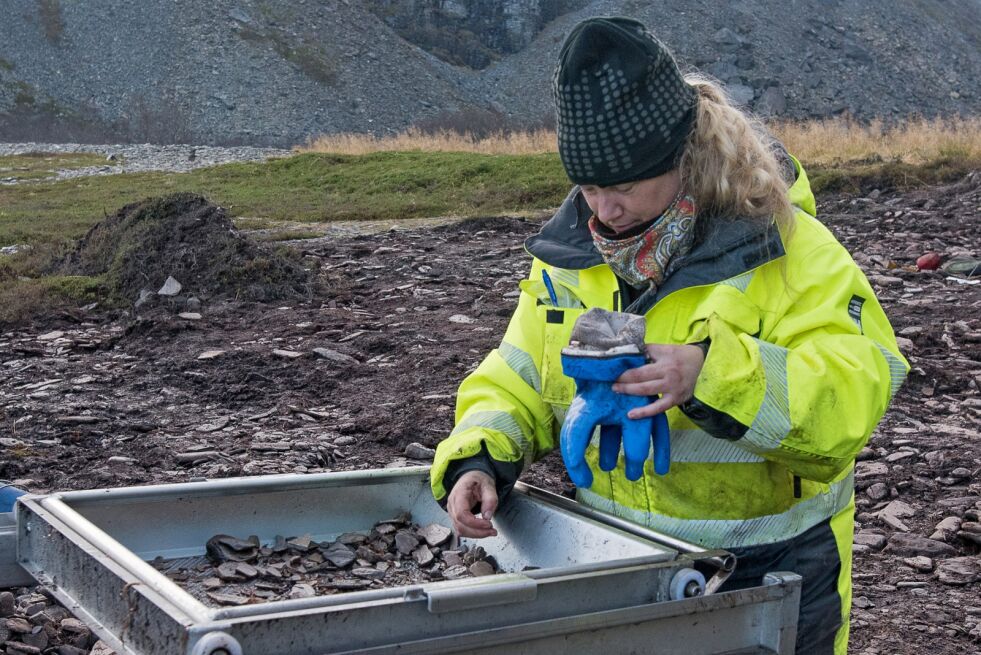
[772,357]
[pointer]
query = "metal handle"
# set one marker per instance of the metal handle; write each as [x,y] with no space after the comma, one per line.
[475,593]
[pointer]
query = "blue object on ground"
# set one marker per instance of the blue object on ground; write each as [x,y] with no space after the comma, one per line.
[8,495]
[596,404]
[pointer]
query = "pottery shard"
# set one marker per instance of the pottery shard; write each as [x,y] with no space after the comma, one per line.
[435,534]
[908,545]
[453,558]
[406,541]
[423,556]
[959,570]
[338,554]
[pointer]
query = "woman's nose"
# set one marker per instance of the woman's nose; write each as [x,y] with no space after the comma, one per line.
[607,208]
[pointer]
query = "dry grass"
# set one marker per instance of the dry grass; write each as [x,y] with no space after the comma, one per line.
[414,139]
[816,143]
[915,142]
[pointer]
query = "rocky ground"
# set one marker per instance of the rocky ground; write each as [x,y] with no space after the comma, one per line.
[364,376]
[139,157]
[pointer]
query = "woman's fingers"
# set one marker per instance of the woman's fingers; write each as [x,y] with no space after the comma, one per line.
[473,490]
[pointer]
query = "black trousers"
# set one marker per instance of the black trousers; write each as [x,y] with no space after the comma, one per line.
[814,556]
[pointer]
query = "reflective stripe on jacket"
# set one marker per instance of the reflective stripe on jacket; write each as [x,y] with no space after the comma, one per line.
[801,367]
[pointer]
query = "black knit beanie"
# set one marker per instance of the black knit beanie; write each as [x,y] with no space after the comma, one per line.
[623,109]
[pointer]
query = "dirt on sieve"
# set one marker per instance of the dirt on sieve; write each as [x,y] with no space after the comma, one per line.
[367,365]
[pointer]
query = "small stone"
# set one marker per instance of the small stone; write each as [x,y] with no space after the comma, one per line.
[877,491]
[7,604]
[335,356]
[920,563]
[228,571]
[367,572]
[67,649]
[348,585]
[37,638]
[423,556]
[864,470]
[303,544]
[406,542]
[211,354]
[418,451]
[901,455]
[435,534]
[455,572]
[118,459]
[946,529]
[481,568]
[19,625]
[19,648]
[912,545]
[247,571]
[959,570]
[462,319]
[302,590]
[51,336]
[338,554]
[193,304]
[74,626]
[873,540]
[228,599]
[453,558]
[893,512]
[102,648]
[211,583]
[287,354]
[861,602]
[171,287]
[190,316]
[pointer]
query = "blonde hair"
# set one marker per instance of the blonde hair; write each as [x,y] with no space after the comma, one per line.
[729,162]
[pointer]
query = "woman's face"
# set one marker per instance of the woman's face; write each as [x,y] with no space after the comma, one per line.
[624,206]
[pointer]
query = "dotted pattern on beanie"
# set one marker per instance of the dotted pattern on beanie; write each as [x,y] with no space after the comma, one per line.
[604,119]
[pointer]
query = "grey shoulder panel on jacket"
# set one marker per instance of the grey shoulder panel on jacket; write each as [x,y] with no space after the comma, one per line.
[564,241]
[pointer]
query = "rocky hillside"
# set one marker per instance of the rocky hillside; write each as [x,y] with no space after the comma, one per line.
[265,73]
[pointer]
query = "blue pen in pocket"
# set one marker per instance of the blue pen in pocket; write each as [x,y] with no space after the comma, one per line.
[551,289]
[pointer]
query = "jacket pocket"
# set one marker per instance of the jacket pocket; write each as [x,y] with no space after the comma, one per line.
[557,388]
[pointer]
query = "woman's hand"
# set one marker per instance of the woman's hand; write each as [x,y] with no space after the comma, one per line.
[474,488]
[671,374]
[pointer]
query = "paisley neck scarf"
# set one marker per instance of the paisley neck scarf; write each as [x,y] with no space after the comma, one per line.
[652,255]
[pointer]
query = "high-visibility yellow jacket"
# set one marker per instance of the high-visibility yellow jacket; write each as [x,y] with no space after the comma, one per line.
[801,366]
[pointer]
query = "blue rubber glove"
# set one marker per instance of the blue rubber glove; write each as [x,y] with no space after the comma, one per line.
[596,404]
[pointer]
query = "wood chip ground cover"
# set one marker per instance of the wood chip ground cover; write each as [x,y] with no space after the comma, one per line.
[157,412]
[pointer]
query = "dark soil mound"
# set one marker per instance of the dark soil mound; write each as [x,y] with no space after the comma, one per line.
[185,237]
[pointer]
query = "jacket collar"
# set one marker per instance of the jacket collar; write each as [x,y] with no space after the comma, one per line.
[730,248]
